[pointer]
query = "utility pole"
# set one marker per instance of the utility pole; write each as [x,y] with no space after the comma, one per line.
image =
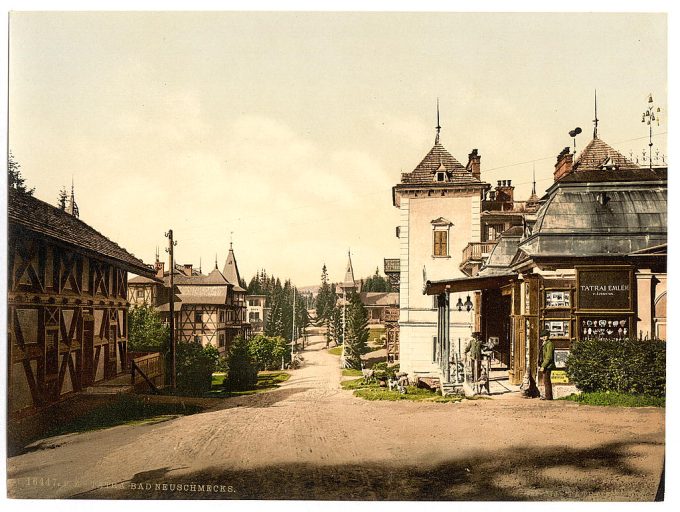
[292,349]
[173,363]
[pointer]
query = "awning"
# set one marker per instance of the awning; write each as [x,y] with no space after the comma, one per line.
[468,284]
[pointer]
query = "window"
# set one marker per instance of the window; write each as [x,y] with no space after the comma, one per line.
[434,349]
[198,317]
[441,243]
[221,340]
[441,176]
[221,316]
[140,293]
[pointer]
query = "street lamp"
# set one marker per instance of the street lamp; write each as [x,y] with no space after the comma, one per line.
[467,304]
[649,116]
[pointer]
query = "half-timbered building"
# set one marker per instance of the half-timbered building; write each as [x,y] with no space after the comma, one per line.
[208,309]
[67,304]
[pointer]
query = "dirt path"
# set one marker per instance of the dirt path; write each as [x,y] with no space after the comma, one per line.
[309,439]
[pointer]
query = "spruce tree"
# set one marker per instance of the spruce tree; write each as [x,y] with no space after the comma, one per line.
[356,326]
[63,196]
[14,178]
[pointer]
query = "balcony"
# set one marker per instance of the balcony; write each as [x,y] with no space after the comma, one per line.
[474,255]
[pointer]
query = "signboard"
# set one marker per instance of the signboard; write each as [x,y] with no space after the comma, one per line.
[561,356]
[559,377]
[604,289]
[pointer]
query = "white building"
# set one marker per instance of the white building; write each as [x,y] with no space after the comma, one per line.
[256,311]
[440,209]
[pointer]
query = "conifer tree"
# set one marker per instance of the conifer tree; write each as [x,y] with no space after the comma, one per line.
[356,336]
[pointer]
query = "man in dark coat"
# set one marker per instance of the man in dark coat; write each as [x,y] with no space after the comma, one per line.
[547,363]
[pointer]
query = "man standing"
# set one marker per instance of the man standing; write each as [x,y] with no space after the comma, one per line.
[547,364]
[473,350]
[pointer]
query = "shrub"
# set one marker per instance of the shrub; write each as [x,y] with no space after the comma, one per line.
[624,366]
[268,351]
[241,367]
[381,371]
[146,332]
[195,366]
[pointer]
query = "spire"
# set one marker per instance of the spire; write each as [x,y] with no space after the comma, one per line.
[72,207]
[438,127]
[596,120]
[231,268]
[216,260]
[533,186]
[349,272]
[200,265]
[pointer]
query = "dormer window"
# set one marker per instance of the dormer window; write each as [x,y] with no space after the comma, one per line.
[440,175]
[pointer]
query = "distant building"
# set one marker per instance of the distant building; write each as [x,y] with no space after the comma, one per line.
[66,304]
[348,285]
[256,312]
[377,303]
[209,309]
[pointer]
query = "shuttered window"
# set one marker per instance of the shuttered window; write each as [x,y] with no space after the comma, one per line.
[441,245]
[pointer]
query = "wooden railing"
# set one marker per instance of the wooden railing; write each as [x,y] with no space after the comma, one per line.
[392,315]
[150,367]
[475,250]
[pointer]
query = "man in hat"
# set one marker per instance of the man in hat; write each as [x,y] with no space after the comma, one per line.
[547,363]
[473,350]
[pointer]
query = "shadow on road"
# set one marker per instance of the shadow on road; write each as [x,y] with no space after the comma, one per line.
[559,473]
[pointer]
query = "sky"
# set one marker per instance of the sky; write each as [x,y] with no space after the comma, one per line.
[285,132]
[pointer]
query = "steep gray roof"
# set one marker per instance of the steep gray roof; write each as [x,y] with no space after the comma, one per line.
[598,154]
[438,159]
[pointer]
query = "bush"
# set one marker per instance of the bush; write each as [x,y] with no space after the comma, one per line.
[381,371]
[624,366]
[268,351]
[195,366]
[146,332]
[241,367]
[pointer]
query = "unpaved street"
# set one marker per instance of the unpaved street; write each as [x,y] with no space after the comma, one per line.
[311,440]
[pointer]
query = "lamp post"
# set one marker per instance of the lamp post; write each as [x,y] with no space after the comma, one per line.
[650,115]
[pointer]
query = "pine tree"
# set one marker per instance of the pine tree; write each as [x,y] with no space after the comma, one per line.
[14,178]
[63,196]
[356,325]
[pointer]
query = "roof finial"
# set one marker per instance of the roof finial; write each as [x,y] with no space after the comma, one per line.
[533,187]
[215,261]
[157,255]
[231,241]
[438,127]
[596,120]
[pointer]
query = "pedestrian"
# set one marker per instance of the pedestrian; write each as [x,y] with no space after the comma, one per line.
[473,350]
[547,364]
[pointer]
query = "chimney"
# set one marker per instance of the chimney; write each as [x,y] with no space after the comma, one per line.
[505,192]
[159,267]
[188,268]
[473,166]
[564,164]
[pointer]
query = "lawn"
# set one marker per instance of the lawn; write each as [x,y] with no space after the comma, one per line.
[351,372]
[614,399]
[265,382]
[335,351]
[375,392]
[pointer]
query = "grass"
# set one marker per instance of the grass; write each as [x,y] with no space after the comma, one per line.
[335,351]
[265,381]
[614,399]
[124,410]
[351,372]
[375,392]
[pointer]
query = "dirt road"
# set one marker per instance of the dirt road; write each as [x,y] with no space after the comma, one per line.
[310,439]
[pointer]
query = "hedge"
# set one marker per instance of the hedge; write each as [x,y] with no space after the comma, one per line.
[625,366]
